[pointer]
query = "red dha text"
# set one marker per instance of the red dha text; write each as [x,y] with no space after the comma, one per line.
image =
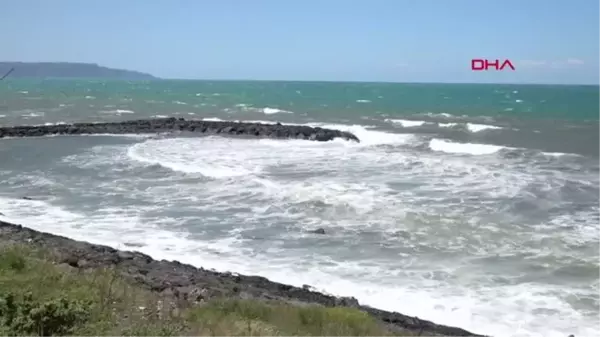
[477,64]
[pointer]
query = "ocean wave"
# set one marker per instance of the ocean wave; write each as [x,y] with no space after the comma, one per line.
[471,127]
[34,114]
[118,111]
[178,154]
[406,123]
[440,114]
[447,125]
[475,149]
[272,111]
[53,123]
[340,193]
[366,134]
[250,108]
[481,127]
[213,119]
[514,307]
[446,146]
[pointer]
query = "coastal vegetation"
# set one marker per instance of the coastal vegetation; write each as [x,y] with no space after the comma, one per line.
[40,297]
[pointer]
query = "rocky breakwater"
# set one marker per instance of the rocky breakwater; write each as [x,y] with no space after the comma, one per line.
[186,282]
[161,125]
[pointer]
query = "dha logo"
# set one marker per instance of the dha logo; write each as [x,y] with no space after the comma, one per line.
[479,64]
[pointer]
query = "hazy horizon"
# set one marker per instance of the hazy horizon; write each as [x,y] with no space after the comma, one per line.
[156,78]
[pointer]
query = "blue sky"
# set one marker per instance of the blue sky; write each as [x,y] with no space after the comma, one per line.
[548,41]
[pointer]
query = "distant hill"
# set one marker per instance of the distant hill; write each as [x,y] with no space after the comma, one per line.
[68,70]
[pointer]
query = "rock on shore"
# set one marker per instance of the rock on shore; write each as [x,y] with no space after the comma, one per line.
[197,284]
[179,124]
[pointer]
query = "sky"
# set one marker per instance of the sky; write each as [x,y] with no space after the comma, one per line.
[547,41]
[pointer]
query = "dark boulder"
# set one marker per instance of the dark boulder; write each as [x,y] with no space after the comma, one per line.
[317,231]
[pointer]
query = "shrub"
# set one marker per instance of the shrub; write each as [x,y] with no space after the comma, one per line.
[12,259]
[24,316]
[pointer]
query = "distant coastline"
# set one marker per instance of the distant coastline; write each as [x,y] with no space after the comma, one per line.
[68,70]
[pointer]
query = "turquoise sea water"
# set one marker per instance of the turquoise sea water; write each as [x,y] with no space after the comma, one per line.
[469,205]
[343,100]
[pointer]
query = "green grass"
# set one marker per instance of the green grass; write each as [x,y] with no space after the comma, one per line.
[38,297]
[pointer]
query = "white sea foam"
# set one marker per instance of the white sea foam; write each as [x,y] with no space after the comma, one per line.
[271,111]
[463,148]
[363,101]
[54,123]
[406,123]
[34,114]
[554,154]
[471,127]
[503,311]
[447,125]
[481,127]
[118,111]
[247,184]
[441,114]
[187,160]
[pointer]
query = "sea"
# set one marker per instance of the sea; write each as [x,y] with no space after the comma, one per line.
[470,205]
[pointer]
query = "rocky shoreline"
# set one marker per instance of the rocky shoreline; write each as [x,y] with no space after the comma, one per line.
[160,125]
[189,283]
